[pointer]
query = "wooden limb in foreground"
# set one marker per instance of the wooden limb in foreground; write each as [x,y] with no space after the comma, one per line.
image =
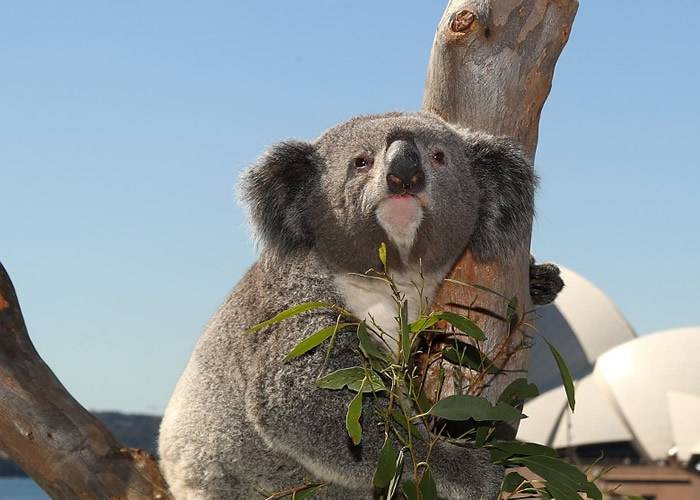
[50,435]
[491,69]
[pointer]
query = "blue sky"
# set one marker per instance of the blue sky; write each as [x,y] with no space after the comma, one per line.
[124,126]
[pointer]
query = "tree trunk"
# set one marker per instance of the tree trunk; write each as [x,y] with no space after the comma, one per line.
[491,69]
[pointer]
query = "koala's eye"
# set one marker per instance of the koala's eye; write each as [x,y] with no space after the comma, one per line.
[439,157]
[363,162]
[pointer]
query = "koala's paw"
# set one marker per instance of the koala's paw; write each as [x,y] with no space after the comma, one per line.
[465,473]
[545,282]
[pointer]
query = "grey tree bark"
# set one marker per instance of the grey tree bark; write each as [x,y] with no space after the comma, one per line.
[491,69]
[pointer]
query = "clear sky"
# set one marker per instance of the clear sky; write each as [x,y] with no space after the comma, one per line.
[124,126]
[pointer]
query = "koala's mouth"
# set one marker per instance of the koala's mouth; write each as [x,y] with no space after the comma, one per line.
[400,216]
[401,210]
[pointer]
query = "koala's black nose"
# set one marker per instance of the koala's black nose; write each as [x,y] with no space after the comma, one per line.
[405,174]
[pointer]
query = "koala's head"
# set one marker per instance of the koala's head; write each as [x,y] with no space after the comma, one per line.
[425,188]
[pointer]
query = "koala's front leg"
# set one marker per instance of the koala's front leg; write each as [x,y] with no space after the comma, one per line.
[545,282]
[307,424]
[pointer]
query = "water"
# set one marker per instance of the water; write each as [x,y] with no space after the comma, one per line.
[20,488]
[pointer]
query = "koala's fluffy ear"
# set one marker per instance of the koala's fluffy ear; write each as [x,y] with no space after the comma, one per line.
[507,184]
[277,190]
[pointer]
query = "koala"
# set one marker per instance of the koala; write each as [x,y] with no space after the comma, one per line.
[241,421]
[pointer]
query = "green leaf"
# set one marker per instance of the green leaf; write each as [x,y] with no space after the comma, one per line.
[505,450]
[478,287]
[354,378]
[463,407]
[461,323]
[314,340]
[367,345]
[423,402]
[308,492]
[292,311]
[405,332]
[512,481]
[482,435]
[544,494]
[565,376]
[423,323]
[427,487]
[352,419]
[561,491]
[469,356]
[382,255]
[562,478]
[397,476]
[512,308]
[409,490]
[518,391]
[407,425]
[386,465]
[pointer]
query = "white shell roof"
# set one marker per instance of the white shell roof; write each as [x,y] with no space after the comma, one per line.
[551,422]
[684,411]
[641,374]
[646,391]
[582,323]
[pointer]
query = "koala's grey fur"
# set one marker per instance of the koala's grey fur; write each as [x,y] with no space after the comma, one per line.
[242,421]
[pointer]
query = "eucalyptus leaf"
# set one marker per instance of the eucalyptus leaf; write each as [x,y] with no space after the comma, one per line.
[427,487]
[561,491]
[423,323]
[386,465]
[353,378]
[560,475]
[512,481]
[505,450]
[288,313]
[477,286]
[461,323]
[394,484]
[512,310]
[469,356]
[464,407]
[409,490]
[565,376]
[382,254]
[307,493]
[352,419]
[367,345]
[518,391]
[423,402]
[407,425]
[405,332]
[482,435]
[314,340]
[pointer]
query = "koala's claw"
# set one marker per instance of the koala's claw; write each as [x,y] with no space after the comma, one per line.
[545,282]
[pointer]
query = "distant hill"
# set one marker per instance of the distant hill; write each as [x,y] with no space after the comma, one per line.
[134,431]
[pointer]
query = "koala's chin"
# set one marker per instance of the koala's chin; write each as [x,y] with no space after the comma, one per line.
[400,216]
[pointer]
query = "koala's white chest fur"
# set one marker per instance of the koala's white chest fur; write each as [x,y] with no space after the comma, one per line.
[371,299]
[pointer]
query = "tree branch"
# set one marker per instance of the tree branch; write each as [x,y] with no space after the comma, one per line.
[65,449]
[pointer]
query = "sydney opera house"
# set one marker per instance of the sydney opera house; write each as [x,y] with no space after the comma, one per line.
[637,397]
